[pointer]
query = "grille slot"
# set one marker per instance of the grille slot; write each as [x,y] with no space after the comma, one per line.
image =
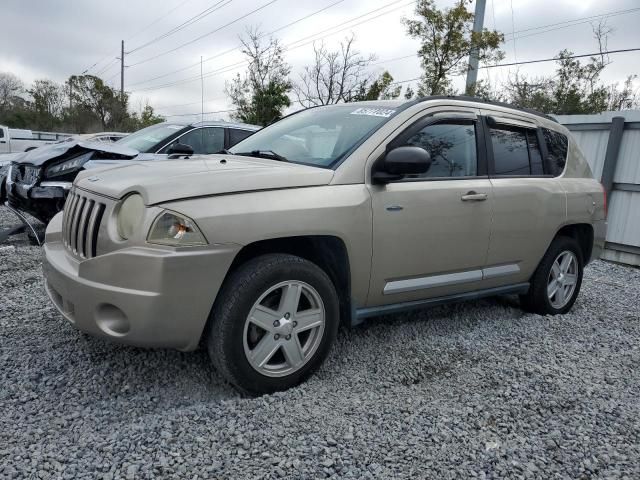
[80,224]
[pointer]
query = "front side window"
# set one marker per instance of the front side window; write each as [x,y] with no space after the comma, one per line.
[452,146]
[319,136]
[557,144]
[204,140]
[516,151]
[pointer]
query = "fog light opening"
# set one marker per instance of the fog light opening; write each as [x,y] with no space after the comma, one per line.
[111,320]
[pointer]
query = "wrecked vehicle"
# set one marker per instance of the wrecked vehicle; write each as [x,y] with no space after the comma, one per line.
[332,214]
[38,181]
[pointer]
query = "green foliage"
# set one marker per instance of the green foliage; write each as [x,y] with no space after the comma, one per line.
[380,89]
[83,104]
[446,38]
[576,88]
[260,97]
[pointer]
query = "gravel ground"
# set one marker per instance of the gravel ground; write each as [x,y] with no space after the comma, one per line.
[478,389]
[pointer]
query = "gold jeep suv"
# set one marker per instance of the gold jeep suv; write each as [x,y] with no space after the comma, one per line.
[332,214]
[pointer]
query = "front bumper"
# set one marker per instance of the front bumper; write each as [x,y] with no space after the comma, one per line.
[143,296]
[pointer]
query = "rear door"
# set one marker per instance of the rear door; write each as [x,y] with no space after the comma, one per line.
[529,203]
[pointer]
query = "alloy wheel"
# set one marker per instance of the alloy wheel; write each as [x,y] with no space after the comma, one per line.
[284,328]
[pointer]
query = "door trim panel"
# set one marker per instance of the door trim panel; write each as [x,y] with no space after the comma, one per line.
[443,280]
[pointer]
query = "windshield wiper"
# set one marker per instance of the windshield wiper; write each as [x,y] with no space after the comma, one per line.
[270,154]
[224,151]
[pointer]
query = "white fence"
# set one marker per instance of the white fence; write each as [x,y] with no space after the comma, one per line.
[611,143]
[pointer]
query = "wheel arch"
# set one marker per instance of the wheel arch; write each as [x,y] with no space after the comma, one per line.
[328,252]
[582,233]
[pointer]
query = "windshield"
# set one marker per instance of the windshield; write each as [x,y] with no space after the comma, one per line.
[144,139]
[318,136]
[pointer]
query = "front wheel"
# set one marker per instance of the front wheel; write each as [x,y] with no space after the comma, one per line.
[273,323]
[556,282]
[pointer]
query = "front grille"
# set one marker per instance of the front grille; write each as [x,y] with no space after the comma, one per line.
[25,174]
[80,224]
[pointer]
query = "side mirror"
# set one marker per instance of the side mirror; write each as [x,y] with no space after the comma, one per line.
[402,161]
[180,149]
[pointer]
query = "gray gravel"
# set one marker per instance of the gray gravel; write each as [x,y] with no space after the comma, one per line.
[478,389]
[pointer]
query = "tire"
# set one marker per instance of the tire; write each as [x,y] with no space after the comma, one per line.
[260,293]
[538,298]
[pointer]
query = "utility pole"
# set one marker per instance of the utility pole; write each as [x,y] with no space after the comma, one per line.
[201,93]
[478,24]
[122,71]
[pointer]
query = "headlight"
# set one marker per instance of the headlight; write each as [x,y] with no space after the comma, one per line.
[66,167]
[130,215]
[171,228]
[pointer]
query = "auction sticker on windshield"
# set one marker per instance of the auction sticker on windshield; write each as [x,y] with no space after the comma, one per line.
[374,112]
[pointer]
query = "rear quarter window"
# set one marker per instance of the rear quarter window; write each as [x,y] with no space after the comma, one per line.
[557,145]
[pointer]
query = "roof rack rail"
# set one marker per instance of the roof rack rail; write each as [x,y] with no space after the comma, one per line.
[467,98]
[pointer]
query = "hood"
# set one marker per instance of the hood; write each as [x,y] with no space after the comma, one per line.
[41,155]
[171,180]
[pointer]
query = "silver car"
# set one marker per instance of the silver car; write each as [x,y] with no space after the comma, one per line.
[331,215]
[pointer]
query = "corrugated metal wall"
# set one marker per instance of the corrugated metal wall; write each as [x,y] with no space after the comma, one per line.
[592,133]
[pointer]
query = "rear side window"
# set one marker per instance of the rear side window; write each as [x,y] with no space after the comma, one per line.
[556,150]
[236,136]
[1,133]
[452,146]
[516,151]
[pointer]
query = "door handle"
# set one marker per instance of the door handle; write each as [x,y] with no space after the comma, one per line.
[474,197]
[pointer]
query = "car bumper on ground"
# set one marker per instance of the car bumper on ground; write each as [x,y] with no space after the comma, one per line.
[143,296]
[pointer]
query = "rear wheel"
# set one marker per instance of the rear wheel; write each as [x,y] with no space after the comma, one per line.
[556,282]
[273,323]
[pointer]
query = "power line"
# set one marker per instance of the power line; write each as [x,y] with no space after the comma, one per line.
[536,61]
[581,20]
[156,20]
[190,21]
[238,47]
[136,34]
[351,20]
[204,35]
[288,46]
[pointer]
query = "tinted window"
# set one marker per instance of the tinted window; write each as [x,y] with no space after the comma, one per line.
[452,147]
[203,140]
[556,150]
[1,133]
[236,136]
[510,153]
[516,151]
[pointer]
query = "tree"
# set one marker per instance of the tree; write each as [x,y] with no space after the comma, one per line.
[380,89]
[91,97]
[335,76]
[446,38]
[260,97]
[576,87]
[11,87]
[48,99]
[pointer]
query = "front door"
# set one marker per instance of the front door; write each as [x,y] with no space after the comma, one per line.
[431,231]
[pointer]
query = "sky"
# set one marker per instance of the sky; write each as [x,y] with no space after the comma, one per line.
[56,39]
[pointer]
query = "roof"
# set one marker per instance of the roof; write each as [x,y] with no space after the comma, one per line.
[402,104]
[221,123]
[465,98]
